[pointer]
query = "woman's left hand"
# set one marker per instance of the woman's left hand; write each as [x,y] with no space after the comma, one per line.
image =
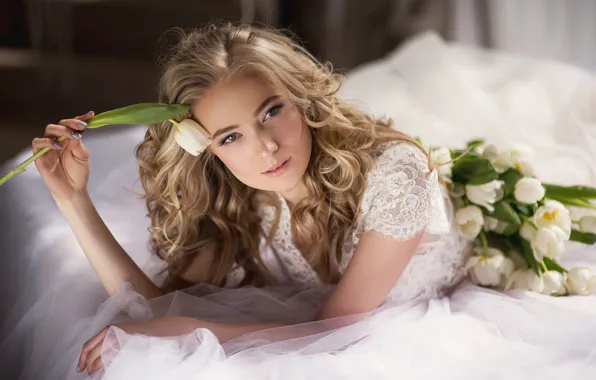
[158,327]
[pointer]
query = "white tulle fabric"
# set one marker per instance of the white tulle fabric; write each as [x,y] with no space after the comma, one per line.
[445,94]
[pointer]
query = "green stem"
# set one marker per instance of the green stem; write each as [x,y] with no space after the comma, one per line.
[21,168]
[484,243]
[173,122]
[543,265]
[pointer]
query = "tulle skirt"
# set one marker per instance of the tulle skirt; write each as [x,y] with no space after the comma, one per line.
[474,333]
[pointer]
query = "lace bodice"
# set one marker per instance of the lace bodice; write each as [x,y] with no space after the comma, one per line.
[403,198]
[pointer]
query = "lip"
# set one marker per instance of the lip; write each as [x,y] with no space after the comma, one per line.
[278,169]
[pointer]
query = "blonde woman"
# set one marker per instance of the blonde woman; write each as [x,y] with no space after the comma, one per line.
[307,238]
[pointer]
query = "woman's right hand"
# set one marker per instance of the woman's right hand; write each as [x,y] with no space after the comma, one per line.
[65,168]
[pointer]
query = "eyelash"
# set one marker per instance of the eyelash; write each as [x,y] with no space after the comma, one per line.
[273,111]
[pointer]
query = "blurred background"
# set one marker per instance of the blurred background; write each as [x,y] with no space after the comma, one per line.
[61,58]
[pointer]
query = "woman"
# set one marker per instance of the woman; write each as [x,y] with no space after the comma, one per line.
[331,226]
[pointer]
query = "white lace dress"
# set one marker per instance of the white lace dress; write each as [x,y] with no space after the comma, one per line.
[402,198]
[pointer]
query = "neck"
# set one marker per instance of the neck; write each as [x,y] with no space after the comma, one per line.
[294,195]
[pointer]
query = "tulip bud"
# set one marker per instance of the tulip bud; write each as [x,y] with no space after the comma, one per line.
[554,283]
[441,158]
[485,195]
[548,242]
[525,279]
[470,221]
[192,137]
[493,271]
[580,281]
[529,190]
[553,213]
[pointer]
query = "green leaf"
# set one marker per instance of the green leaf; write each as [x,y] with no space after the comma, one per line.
[506,213]
[510,177]
[571,202]
[475,143]
[143,113]
[528,254]
[582,237]
[583,192]
[553,265]
[524,209]
[504,243]
[470,166]
[482,178]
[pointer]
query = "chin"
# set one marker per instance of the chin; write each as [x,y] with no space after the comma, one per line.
[282,184]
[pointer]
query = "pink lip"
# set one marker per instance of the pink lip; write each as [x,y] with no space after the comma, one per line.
[279,168]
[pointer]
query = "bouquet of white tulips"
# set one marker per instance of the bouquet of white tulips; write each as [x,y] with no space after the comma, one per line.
[520,226]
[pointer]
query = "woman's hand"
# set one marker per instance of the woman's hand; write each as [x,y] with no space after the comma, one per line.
[158,327]
[65,168]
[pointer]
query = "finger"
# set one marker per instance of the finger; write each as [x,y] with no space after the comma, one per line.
[78,149]
[86,117]
[55,130]
[95,366]
[89,346]
[39,143]
[94,362]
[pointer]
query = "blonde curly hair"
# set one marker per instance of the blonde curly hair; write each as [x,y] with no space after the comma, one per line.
[195,202]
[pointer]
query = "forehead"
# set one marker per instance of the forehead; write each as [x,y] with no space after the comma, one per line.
[231,102]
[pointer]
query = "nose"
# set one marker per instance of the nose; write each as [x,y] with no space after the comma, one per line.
[267,145]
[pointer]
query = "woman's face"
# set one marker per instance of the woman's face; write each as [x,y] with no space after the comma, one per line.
[258,134]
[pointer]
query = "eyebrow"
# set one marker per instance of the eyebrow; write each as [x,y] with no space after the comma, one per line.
[257,111]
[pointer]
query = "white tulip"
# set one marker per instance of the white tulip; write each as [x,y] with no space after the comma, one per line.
[581,281]
[485,195]
[524,167]
[493,224]
[553,213]
[527,231]
[554,283]
[548,242]
[493,270]
[525,279]
[576,213]
[490,152]
[441,158]
[517,157]
[587,224]
[529,190]
[192,137]
[470,221]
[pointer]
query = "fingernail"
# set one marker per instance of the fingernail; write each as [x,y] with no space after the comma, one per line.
[57,145]
[81,124]
[77,135]
[89,113]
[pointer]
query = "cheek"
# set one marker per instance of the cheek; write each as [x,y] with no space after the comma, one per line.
[296,133]
[239,164]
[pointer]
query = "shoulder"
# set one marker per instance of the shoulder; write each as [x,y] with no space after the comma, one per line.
[400,158]
[400,191]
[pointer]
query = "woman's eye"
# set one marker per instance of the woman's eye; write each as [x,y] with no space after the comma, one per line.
[272,111]
[229,139]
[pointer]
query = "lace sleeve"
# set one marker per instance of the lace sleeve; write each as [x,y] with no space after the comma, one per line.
[404,195]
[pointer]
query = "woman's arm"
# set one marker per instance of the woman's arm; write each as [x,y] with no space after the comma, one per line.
[373,271]
[111,263]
